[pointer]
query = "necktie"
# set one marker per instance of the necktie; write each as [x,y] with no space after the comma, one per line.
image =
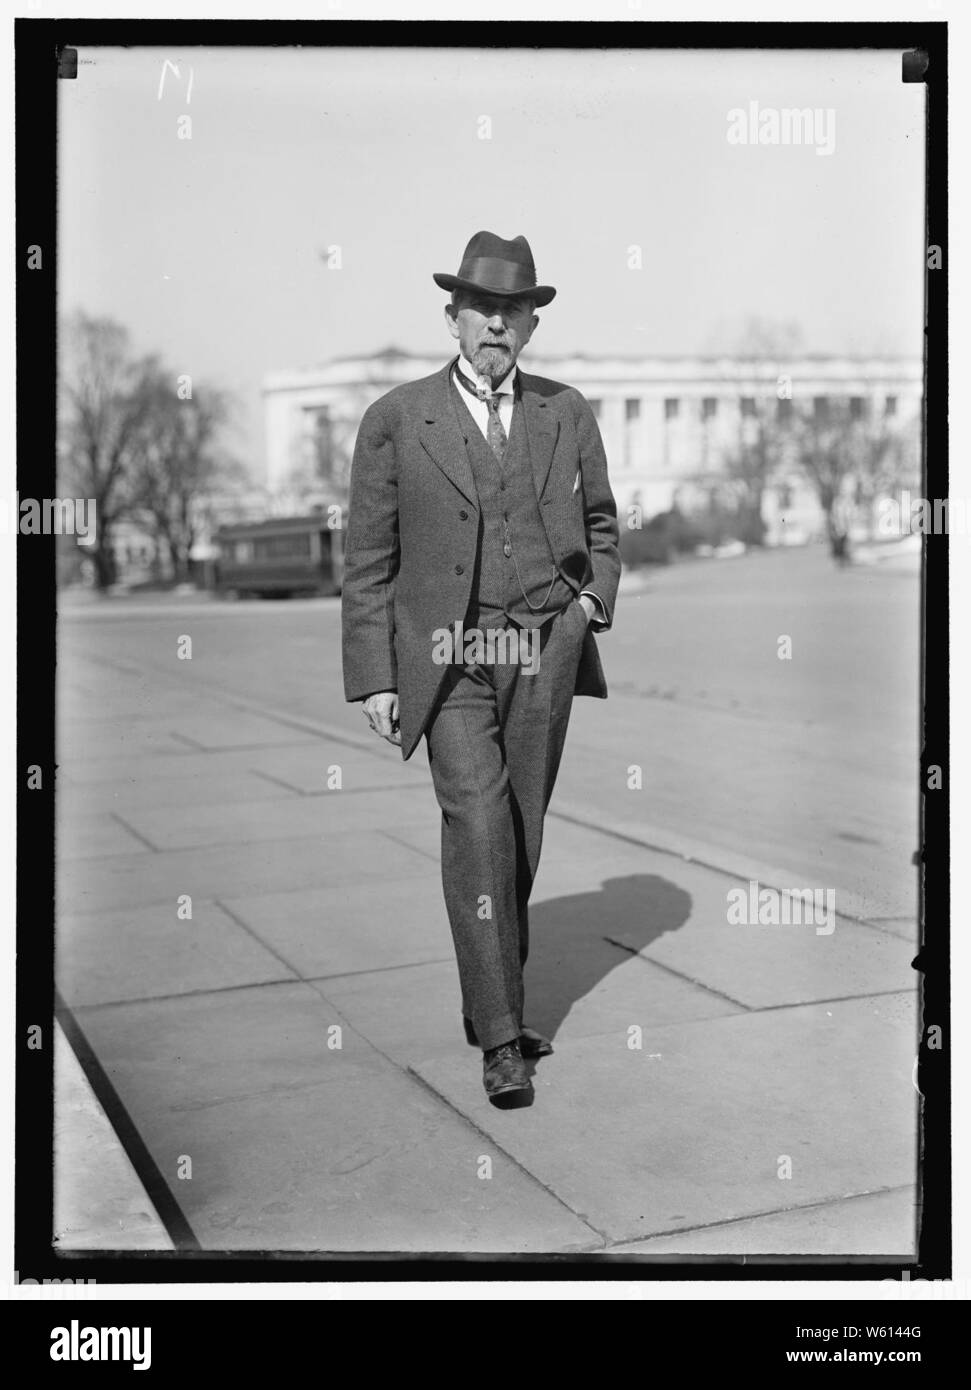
[496,435]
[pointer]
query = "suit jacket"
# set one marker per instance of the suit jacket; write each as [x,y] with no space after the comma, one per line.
[412,534]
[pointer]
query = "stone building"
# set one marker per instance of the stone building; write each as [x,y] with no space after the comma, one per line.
[671,425]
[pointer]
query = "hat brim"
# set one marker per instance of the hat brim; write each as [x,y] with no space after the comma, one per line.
[539,294]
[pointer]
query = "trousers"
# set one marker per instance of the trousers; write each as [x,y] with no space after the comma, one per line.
[494,744]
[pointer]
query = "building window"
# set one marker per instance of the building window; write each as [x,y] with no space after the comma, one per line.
[318,440]
[595,406]
[783,410]
[821,407]
[890,405]
[748,406]
[632,410]
[671,407]
[709,407]
[784,497]
[292,547]
[856,407]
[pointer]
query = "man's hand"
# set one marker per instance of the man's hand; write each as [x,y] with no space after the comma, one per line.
[588,606]
[382,715]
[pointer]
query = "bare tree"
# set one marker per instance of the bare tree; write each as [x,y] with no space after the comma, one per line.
[764,440]
[888,458]
[824,456]
[129,443]
[179,460]
[750,464]
[852,453]
[101,419]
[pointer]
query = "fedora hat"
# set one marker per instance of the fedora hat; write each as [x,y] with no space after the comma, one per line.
[498,267]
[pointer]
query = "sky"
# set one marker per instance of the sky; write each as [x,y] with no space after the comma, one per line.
[212,250]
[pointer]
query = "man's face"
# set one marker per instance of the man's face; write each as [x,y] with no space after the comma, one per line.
[492,330]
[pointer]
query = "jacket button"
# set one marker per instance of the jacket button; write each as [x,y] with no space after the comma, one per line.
[459,569]
[463,516]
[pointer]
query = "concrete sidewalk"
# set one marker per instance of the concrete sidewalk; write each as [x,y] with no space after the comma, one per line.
[292,1055]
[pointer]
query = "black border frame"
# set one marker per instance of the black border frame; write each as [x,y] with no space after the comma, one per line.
[38,45]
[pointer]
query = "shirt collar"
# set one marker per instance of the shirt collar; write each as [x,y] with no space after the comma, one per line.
[506,385]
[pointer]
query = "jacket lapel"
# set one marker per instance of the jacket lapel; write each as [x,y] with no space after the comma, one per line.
[441,437]
[542,428]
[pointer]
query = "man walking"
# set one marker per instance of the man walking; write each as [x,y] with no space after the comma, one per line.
[480,557]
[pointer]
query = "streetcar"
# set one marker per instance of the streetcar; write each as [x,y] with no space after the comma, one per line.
[279,558]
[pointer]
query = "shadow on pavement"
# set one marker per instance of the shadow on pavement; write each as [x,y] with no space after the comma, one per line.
[570,952]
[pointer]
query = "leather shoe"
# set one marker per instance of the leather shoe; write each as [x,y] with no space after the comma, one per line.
[531,1043]
[505,1077]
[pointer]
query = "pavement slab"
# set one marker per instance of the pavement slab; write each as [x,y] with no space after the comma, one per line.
[904,927]
[757,965]
[228,823]
[241,730]
[707,767]
[705,1120]
[307,769]
[94,835]
[407,1014]
[564,844]
[297,1146]
[145,952]
[172,794]
[222,871]
[118,703]
[877,1224]
[192,1051]
[190,763]
[411,1013]
[373,925]
[132,740]
[674,914]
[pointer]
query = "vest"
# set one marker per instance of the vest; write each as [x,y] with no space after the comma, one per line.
[514,561]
